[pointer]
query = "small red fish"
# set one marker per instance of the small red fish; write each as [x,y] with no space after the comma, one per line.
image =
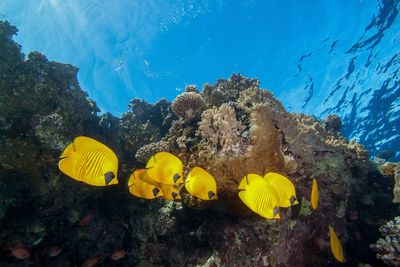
[117,255]
[92,261]
[20,253]
[54,251]
[353,215]
[86,219]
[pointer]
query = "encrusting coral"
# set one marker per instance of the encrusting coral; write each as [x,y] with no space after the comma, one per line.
[388,247]
[223,130]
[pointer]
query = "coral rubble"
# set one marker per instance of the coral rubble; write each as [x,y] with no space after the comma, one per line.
[230,129]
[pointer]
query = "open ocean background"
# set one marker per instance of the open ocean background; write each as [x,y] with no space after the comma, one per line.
[318,57]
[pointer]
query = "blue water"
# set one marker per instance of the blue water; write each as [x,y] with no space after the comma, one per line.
[318,57]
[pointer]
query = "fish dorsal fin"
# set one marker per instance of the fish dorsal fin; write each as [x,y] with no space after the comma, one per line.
[248,179]
[83,144]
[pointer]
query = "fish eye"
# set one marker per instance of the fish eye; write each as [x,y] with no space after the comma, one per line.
[156,191]
[210,194]
[276,211]
[176,177]
[292,200]
[108,177]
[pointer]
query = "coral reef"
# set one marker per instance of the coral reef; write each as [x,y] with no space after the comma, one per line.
[388,247]
[144,124]
[234,128]
[188,105]
[220,127]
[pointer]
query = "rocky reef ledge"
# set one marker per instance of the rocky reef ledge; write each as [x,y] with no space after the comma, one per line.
[230,128]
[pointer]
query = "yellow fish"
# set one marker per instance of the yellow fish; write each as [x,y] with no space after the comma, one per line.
[140,188]
[284,188]
[336,247]
[165,168]
[314,194]
[201,184]
[89,161]
[259,196]
[151,189]
[170,192]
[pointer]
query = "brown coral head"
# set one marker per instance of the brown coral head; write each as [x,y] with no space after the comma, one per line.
[191,88]
[188,105]
[333,123]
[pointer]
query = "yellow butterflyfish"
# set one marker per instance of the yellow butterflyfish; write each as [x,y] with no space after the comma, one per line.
[336,247]
[169,192]
[201,184]
[314,194]
[140,188]
[284,188]
[165,168]
[259,196]
[89,161]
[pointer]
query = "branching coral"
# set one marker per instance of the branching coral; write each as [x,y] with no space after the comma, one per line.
[145,152]
[188,105]
[388,247]
[221,128]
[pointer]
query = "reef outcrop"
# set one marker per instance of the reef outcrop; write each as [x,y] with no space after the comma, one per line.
[388,247]
[232,128]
